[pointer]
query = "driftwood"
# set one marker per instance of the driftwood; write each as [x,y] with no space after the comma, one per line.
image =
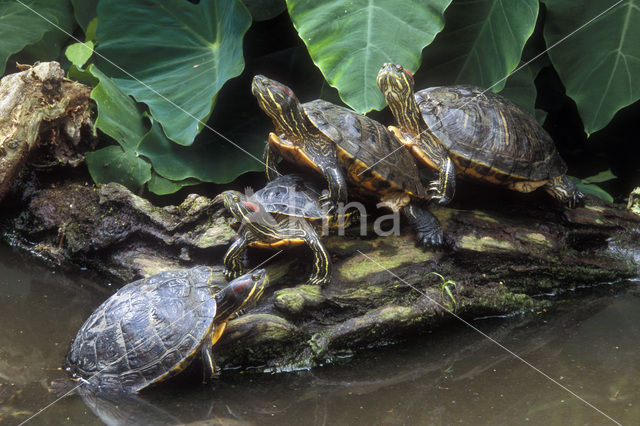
[39,105]
[503,257]
[505,251]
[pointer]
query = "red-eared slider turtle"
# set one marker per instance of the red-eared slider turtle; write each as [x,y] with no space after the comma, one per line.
[474,133]
[339,143]
[152,328]
[285,213]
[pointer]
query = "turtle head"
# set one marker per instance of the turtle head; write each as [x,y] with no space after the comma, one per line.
[394,80]
[238,204]
[246,211]
[396,84]
[281,104]
[273,97]
[241,293]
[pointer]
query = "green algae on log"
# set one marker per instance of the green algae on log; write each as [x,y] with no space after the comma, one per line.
[382,288]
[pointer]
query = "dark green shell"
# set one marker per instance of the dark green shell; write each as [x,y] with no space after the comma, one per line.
[485,131]
[291,195]
[147,330]
[369,142]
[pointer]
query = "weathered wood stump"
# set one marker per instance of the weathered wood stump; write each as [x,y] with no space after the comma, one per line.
[38,105]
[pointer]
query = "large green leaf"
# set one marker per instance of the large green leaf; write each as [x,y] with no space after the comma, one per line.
[203,159]
[84,11]
[521,89]
[599,65]
[119,117]
[262,10]
[114,164]
[349,41]
[20,24]
[161,186]
[481,44]
[173,55]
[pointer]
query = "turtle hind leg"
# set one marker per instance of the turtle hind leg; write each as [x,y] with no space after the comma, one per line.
[426,225]
[321,267]
[565,191]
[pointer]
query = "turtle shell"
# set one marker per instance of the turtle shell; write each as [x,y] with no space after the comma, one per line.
[489,136]
[147,331]
[371,156]
[291,195]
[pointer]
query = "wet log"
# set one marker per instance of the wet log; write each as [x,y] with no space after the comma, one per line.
[39,106]
[505,255]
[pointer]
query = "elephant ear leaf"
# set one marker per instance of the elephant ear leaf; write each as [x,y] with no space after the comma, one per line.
[173,55]
[481,44]
[598,58]
[21,26]
[349,41]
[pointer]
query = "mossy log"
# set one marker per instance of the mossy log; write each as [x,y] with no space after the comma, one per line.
[505,252]
[504,257]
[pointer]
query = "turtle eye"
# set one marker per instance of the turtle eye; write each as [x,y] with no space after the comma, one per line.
[255,277]
[235,199]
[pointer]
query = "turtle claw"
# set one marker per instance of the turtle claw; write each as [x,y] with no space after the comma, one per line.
[438,194]
[317,281]
[432,238]
[576,200]
[328,206]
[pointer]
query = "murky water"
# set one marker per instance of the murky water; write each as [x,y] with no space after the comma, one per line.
[453,376]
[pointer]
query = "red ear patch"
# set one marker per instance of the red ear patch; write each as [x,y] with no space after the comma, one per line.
[253,206]
[286,90]
[408,73]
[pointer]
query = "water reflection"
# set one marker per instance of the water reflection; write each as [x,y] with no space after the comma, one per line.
[446,377]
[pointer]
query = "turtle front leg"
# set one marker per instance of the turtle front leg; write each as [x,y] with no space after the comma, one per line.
[208,363]
[270,158]
[234,257]
[321,268]
[444,188]
[564,190]
[426,225]
[429,151]
[337,192]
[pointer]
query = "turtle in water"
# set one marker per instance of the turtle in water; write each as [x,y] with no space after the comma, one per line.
[285,213]
[345,147]
[474,133]
[152,328]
